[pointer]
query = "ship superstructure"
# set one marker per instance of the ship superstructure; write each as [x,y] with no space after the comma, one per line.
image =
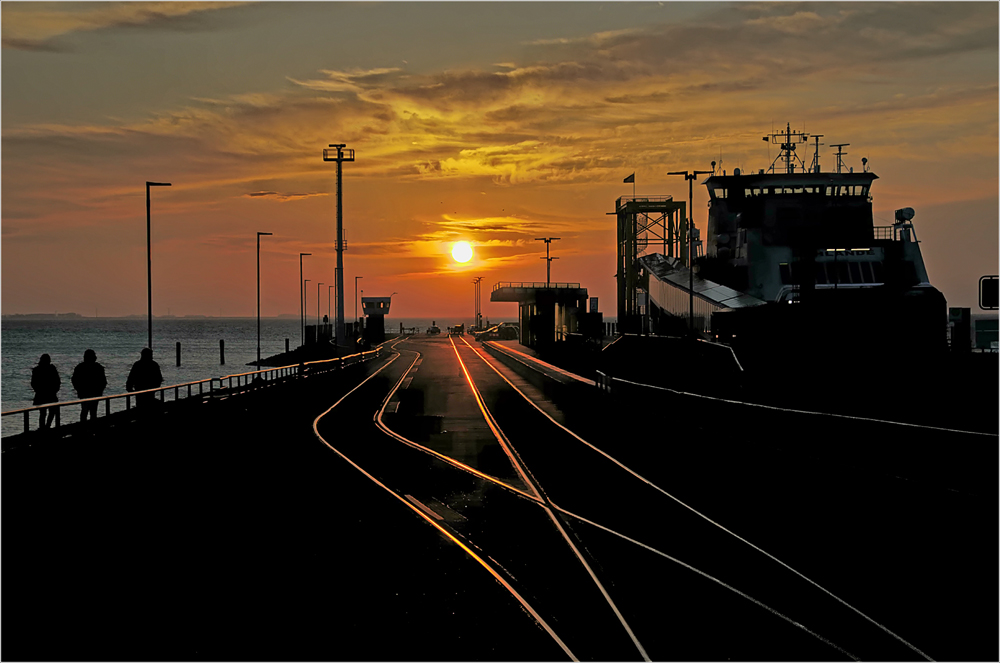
[792,253]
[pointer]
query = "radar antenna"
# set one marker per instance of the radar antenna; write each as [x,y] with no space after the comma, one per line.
[787,141]
[840,155]
[814,166]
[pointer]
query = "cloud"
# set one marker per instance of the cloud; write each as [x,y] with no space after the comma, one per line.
[38,26]
[283,197]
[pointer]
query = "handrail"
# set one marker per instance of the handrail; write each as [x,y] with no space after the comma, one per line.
[268,376]
[534,284]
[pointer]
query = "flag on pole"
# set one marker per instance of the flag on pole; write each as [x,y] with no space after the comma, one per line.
[630,178]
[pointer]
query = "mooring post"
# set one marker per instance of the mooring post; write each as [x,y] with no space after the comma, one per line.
[286,345]
[222,352]
[178,353]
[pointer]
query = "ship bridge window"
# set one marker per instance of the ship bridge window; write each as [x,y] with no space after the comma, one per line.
[877,272]
[785,270]
[866,272]
[855,272]
[821,273]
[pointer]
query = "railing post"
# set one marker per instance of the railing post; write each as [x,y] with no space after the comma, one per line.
[58,412]
[27,421]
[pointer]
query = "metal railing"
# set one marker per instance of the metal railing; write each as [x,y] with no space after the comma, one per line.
[227,385]
[534,284]
[621,202]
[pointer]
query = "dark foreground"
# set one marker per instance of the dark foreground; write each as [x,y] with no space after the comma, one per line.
[232,533]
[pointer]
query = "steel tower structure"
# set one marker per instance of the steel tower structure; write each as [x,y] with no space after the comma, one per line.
[341,156]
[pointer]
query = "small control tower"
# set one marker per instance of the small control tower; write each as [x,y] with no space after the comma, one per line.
[375,309]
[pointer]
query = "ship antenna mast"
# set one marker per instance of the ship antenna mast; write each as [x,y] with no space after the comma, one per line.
[814,166]
[787,141]
[840,154]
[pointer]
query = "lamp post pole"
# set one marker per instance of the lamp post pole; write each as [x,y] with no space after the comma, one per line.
[149,268]
[548,260]
[302,306]
[356,319]
[329,311]
[318,286]
[304,294]
[258,296]
[340,157]
[690,177]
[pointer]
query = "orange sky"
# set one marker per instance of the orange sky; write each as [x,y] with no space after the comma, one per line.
[493,123]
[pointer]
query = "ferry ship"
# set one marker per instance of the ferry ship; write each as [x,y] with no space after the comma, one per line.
[795,267]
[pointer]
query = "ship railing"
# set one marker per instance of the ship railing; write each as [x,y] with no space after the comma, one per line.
[898,233]
[886,232]
[621,202]
[536,284]
[216,387]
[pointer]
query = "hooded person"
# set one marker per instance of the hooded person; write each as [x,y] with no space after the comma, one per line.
[145,374]
[89,381]
[45,381]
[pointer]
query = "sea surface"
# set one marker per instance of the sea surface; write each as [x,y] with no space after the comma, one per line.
[118,342]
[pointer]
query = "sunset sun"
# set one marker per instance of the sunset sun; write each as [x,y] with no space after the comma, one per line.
[461,251]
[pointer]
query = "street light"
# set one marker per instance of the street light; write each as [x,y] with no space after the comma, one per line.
[690,178]
[477,316]
[149,268]
[304,339]
[302,304]
[258,296]
[318,286]
[356,318]
[548,260]
[341,156]
[329,311]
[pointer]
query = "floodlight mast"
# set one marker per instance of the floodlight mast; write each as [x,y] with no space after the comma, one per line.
[341,156]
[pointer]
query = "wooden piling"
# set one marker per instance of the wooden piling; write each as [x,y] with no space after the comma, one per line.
[222,352]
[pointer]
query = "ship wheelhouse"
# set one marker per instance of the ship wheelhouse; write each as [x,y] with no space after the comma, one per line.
[782,237]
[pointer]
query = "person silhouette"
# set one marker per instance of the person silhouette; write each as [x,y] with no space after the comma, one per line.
[145,374]
[45,381]
[89,381]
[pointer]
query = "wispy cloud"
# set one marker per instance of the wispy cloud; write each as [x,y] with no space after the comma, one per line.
[283,197]
[37,26]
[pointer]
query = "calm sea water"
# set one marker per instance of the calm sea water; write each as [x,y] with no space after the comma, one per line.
[117,343]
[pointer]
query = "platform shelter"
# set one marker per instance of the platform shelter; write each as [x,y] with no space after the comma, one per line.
[547,312]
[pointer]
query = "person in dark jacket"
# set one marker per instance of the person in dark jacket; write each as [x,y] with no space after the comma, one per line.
[45,381]
[145,374]
[89,381]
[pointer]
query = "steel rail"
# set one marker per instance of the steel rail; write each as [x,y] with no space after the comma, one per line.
[698,513]
[548,506]
[440,456]
[427,518]
[580,518]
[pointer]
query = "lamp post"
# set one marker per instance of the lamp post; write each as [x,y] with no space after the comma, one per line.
[356,319]
[548,260]
[329,311]
[149,268]
[340,157]
[302,305]
[318,286]
[258,296]
[690,178]
[477,317]
[304,339]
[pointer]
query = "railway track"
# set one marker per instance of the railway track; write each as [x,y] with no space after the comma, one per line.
[609,564]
